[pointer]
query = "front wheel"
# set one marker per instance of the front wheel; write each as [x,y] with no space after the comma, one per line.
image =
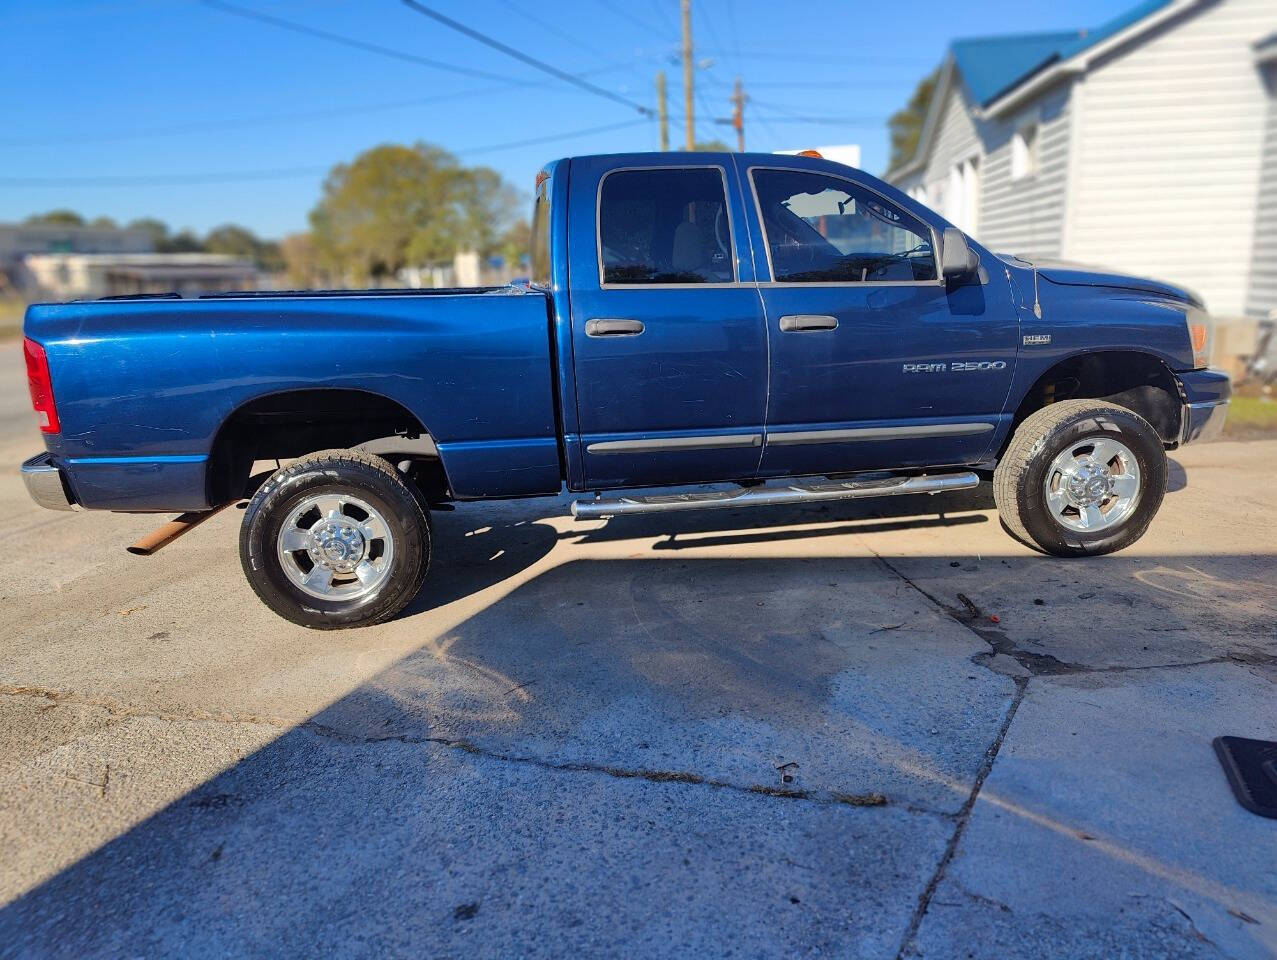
[1081,477]
[335,539]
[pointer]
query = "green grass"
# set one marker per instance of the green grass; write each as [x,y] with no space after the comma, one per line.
[1250,416]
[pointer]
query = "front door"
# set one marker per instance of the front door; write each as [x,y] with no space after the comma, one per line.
[876,362]
[668,340]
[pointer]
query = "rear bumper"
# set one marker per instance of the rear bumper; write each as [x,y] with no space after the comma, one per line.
[1206,395]
[46,484]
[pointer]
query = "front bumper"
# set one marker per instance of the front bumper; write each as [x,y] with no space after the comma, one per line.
[1206,395]
[1203,421]
[46,484]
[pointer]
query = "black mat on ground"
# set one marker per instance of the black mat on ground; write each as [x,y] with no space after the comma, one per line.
[1251,766]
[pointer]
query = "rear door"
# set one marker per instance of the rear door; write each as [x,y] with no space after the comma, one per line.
[875,361]
[668,340]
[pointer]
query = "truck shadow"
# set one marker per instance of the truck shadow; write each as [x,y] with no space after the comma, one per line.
[607,742]
[480,545]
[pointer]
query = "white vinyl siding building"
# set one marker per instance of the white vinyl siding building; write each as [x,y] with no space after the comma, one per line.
[1262,291]
[1146,146]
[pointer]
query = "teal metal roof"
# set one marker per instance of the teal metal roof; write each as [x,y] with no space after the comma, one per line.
[991,66]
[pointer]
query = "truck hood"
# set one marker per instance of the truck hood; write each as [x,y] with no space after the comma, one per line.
[1072,274]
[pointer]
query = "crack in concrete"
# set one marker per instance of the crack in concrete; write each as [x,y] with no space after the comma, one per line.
[824,797]
[1044,664]
[1035,665]
[121,710]
[964,816]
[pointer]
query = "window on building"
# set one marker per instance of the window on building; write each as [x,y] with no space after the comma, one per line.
[962,199]
[665,226]
[823,229]
[1024,152]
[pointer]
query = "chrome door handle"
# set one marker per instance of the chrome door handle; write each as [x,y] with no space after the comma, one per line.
[613,328]
[799,322]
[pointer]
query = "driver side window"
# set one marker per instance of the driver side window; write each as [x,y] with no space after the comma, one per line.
[823,229]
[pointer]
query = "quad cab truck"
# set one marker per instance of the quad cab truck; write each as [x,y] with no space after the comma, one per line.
[750,328]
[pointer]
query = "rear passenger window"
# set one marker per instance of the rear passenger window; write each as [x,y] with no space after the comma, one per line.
[665,226]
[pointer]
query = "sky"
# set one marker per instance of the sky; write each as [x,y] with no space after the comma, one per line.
[187,111]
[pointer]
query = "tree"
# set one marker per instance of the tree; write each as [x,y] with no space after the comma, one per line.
[905,125]
[515,242]
[231,239]
[104,223]
[158,229]
[239,241]
[57,218]
[302,261]
[395,206]
[712,146]
[184,241]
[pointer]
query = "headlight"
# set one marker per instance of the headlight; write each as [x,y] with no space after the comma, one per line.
[1201,334]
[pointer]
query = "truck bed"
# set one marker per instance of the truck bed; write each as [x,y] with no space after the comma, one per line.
[145,384]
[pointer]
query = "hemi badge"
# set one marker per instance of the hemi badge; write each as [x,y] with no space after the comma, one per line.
[1037,339]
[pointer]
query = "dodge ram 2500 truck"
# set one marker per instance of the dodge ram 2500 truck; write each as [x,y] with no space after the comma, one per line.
[784,327]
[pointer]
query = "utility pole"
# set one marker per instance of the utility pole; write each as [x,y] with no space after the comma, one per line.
[687,76]
[662,111]
[738,115]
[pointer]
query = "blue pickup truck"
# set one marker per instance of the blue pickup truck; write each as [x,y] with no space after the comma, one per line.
[761,329]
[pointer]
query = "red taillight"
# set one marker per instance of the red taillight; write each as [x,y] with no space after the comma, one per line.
[41,385]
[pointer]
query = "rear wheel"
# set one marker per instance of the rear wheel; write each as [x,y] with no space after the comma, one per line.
[1081,477]
[335,539]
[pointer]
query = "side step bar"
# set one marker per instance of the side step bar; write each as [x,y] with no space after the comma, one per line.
[878,486]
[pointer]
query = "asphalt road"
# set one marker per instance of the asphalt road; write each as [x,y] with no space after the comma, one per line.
[781,733]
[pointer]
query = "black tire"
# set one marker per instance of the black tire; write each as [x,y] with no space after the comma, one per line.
[363,475]
[1019,480]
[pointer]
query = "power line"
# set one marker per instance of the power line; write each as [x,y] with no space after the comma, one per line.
[625,14]
[550,138]
[787,109]
[731,19]
[709,26]
[352,42]
[824,120]
[841,59]
[232,123]
[544,23]
[280,173]
[164,179]
[274,119]
[829,84]
[524,58]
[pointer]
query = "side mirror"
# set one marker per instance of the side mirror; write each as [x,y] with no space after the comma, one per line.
[957,259]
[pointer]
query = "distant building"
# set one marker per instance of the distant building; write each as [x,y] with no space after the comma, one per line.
[1148,145]
[19,239]
[69,276]
[467,269]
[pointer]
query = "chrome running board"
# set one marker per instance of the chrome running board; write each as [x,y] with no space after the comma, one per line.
[878,486]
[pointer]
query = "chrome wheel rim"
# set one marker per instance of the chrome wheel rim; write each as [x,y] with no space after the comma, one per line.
[333,546]
[1094,484]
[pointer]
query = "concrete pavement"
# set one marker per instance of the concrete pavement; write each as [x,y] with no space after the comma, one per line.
[778,733]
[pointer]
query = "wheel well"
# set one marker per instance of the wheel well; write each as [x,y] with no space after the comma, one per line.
[293,423]
[1137,381]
